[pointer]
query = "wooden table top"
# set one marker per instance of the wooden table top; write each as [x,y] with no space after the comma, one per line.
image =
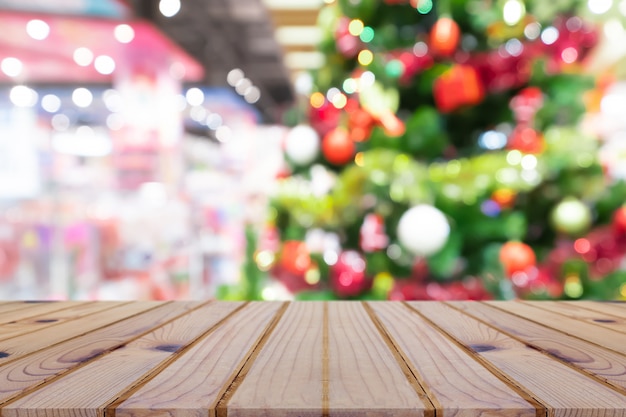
[193,359]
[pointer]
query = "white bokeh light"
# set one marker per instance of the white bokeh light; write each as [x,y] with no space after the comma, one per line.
[194,96]
[234,76]
[11,66]
[22,96]
[599,6]
[124,33]
[104,64]
[513,12]
[82,97]
[51,103]
[83,56]
[113,100]
[252,95]
[214,121]
[38,29]
[115,121]
[60,122]
[169,8]
[224,133]
[549,35]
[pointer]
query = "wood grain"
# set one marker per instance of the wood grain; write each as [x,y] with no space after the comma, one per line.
[101,382]
[606,365]
[192,384]
[25,344]
[286,377]
[26,309]
[41,321]
[364,377]
[612,308]
[297,359]
[29,372]
[590,332]
[457,383]
[581,314]
[553,384]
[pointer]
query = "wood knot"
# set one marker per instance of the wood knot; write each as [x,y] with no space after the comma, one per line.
[168,348]
[482,348]
[604,321]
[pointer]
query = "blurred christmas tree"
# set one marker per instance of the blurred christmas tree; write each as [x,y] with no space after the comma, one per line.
[443,157]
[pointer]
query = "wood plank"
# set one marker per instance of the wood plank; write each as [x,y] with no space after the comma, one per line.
[31,324]
[587,331]
[33,309]
[23,375]
[26,344]
[364,377]
[608,307]
[557,386]
[286,376]
[6,306]
[608,366]
[453,378]
[101,382]
[197,379]
[580,314]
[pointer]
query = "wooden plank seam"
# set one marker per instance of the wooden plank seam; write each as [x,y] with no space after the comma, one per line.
[551,325]
[87,361]
[545,352]
[542,410]
[433,406]
[109,409]
[219,408]
[325,365]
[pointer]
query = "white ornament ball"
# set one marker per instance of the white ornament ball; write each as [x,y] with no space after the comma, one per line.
[302,145]
[423,230]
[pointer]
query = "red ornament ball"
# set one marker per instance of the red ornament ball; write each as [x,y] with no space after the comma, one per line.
[444,36]
[337,146]
[527,140]
[516,257]
[347,275]
[619,221]
[295,257]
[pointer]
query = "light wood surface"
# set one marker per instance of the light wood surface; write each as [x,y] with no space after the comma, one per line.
[218,359]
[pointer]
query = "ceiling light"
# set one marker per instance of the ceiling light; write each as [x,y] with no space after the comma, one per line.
[169,8]
[82,97]
[243,85]
[37,29]
[104,64]
[194,96]
[51,103]
[252,95]
[22,96]
[11,66]
[234,76]
[124,33]
[83,56]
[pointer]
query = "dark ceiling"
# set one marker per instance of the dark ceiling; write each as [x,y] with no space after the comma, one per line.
[228,34]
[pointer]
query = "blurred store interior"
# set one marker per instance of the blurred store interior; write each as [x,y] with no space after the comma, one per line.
[142,143]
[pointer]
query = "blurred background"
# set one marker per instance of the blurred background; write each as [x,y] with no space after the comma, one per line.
[312,149]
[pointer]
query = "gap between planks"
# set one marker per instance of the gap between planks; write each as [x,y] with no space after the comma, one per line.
[538,348]
[429,400]
[219,408]
[542,410]
[82,364]
[109,409]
